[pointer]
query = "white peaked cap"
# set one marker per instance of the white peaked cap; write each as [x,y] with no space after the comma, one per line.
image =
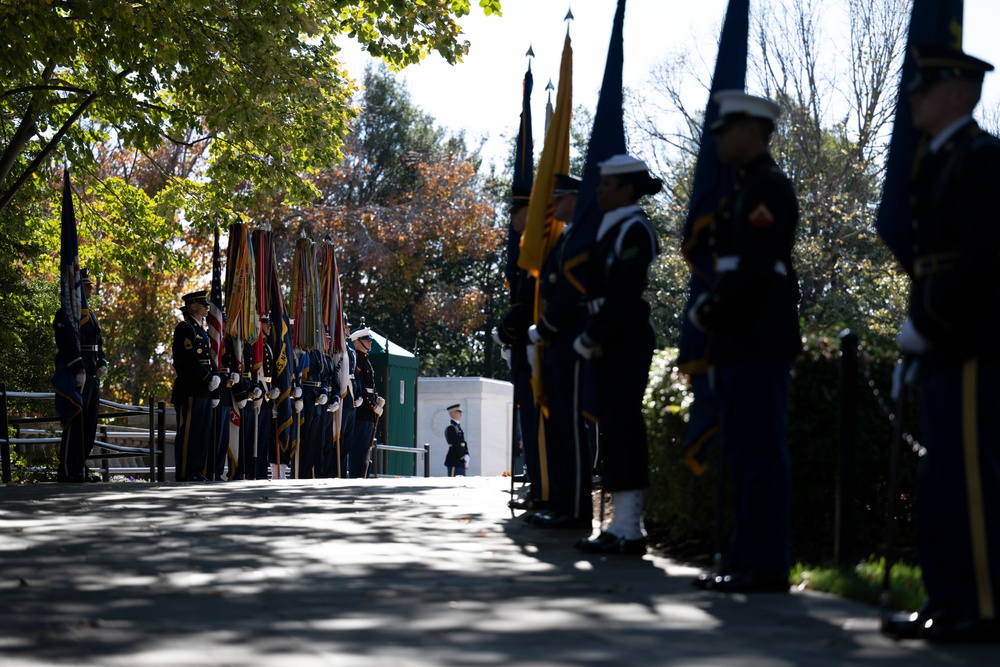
[622,164]
[738,103]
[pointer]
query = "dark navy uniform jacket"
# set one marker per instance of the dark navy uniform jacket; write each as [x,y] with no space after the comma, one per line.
[956,237]
[564,314]
[91,355]
[192,351]
[456,445]
[365,375]
[752,309]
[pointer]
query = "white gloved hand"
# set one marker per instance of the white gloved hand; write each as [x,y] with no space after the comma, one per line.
[533,335]
[358,401]
[911,340]
[101,372]
[299,405]
[532,360]
[378,410]
[380,402]
[334,405]
[242,403]
[274,393]
[693,311]
[584,346]
[233,378]
[257,393]
[81,379]
[297,392]
[465,460]
[322,399]
[496,337]
[505,354]
[215,403]
[214,382]
[899,380]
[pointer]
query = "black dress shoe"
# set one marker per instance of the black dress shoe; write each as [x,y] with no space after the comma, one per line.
[609,543]
[94,478]
[743,582]
[559,521]
[903,626]
[528,504]
[194,478]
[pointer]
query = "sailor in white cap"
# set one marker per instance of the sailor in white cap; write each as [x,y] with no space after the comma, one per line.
[751,311]
[619,337]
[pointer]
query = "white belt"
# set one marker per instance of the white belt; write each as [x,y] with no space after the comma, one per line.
[371,390]
[88,348]
[732,262]
[309,383]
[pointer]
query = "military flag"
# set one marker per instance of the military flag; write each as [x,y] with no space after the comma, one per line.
[260,240]
[305,296]
[607,138]
[73,303]
[524,169]
[241,293]
[937,22]
[215,306]
[541,230]
[281,345]
[711,180]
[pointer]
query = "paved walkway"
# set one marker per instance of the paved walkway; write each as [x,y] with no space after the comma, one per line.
[400,572]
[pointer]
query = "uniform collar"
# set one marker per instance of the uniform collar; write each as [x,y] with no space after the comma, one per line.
[947,133]
[612,218]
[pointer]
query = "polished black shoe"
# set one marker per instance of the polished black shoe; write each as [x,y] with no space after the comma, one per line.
[609,543]
[960,629]
[94,478]
[528,505]
[742,582]
[194,478]
[903,626]
[562,521]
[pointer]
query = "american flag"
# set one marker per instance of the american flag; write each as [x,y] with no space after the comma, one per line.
[215,308]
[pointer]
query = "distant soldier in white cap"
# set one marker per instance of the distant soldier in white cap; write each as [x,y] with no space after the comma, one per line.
[457,459]
[751,312]
[368,406]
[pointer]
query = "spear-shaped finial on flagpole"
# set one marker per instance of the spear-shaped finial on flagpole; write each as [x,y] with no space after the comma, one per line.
[569,17]
[529,54]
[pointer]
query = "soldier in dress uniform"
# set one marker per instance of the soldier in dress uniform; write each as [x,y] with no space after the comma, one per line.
[195,388]
[951,333]
[350,399]
[263,405]
[328,455]
[457,458]
[90,367]
[751,315]
[367,406]
[230,393]
[310,379]
[567,451]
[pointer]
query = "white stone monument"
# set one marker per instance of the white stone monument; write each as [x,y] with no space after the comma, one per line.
[487,421]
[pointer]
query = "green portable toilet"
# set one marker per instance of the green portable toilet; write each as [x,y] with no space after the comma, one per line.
[396,381]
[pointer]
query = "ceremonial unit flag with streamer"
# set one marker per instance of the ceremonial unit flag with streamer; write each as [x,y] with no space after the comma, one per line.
[73,302]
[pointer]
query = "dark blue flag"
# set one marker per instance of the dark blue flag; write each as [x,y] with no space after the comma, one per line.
[607,138]
[73,303]
[524,171]
[711,180]
[937,22]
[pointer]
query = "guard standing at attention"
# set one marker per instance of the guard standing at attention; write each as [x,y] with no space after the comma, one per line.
[197,379]
[751,315]
[264,404]
[368,407]
[951,334]
[457,458]
[349,400]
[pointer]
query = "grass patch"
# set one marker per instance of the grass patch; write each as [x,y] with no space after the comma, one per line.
[863,582]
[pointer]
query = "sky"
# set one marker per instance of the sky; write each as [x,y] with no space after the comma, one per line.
[482,95]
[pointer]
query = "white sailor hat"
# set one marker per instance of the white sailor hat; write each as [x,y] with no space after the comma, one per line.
[622,164]
[364,332]
[735,104]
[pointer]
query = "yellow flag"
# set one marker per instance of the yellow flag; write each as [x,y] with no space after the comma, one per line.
[542,230]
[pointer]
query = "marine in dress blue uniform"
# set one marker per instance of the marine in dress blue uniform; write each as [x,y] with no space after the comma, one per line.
[751,314]
[367,406]
[349,400]
[619,338]
[456,461]
[192,395]
[952,333]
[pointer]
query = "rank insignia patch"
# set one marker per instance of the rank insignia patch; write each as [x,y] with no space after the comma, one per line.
[761,216]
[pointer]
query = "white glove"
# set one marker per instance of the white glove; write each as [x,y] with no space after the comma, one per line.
[378,410]
[693,311]
[298,405]
[214,382]
[533,335]
[297,392]
[465,460]
[257,393]
[81,379]
[257,403]
[532,360]
[911,340]
[322,399]
[274,393]
[380,401]
[358,401]
[334,405]
[215,403]
[101,372]
[242,403]
[584,346]
[899,380]
[496,337]
[233,378]
[505,354]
